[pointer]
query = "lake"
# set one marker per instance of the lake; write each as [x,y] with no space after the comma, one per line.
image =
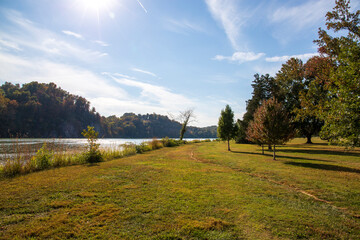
[26,147]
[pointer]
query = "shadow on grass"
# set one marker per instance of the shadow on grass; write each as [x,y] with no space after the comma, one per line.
[277,156]
[319,151]
[92,164]
[325,167]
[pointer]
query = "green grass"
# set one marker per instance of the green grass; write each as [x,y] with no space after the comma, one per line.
[195,191]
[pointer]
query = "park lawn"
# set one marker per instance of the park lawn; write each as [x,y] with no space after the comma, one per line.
[196,191]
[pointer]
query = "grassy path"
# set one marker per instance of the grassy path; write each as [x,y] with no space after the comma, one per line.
[197,191]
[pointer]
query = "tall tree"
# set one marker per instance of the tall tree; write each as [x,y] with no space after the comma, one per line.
[342,108]
[226,126]
[271,125]
[294,80]
[264,87]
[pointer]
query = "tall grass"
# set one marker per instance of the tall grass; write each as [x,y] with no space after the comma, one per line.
[25,161]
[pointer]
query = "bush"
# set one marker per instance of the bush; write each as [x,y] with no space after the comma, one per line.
[156,144]
[168,142]
[142,147]
[42,158]
[93,155]
[12,168]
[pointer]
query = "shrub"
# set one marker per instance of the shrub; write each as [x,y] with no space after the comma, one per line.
[156,144]
[42,158]
[142,147]
[93,155]
[12,168]
[168,142]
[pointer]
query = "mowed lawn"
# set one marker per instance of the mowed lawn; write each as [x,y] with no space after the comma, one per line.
[196,191]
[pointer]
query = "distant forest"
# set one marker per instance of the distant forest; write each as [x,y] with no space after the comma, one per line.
[43,110]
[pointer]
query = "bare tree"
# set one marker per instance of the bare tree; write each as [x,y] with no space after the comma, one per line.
[185,117]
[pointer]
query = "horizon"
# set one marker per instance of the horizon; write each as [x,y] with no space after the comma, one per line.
[158,57]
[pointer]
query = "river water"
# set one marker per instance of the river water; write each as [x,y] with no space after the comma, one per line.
[26,147]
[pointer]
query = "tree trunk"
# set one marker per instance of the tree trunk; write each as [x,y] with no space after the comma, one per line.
[308,139]
[229,145]
[262,147]
[274,156]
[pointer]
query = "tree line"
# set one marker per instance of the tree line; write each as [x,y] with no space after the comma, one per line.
[45,110]
[318,97]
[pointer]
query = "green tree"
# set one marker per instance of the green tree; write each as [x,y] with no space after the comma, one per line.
[264,87]
[341,111]
[271,125]
[226,127]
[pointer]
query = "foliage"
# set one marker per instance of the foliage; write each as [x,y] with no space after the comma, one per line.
[226,126]
[264,87]
[43,110]
[12,167]
[169,142]
[93,154]
[271,125]
[42,159]
[294,80]
[342,108]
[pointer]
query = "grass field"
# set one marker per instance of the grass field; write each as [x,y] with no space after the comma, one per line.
[196,191]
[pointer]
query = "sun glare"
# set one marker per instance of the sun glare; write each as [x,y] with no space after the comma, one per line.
[96,5]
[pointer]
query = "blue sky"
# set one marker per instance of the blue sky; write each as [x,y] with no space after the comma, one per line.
[161,56]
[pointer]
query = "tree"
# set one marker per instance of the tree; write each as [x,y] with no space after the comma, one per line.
[185,118]
[271,125]
[341,111]
[264,87]
[298,83]
[226,126]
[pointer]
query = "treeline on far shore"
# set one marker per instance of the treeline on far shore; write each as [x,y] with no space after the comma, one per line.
[45,110]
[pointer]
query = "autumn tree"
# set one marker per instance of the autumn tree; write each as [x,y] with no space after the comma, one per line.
[271,125]
[341,112]
[226,127]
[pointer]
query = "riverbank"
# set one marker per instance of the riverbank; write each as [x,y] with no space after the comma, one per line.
[195,191]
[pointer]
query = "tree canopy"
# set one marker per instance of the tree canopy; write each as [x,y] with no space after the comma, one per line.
[271,125]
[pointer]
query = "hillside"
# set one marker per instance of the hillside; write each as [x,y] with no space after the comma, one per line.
[196,191]
[47,111]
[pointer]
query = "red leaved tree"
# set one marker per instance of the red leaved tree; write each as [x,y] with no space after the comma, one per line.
[271,125]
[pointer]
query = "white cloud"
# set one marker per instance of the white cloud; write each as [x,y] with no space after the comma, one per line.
[307,14]
[158,95]
[240,57]
[26,35]
[101,43]
[9,45]
[298,20]
[75,80]
[76,35]
[182,26]
[143,71]
[232,18]
[303,57]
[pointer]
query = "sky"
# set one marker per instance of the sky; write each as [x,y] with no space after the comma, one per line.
[156,56]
